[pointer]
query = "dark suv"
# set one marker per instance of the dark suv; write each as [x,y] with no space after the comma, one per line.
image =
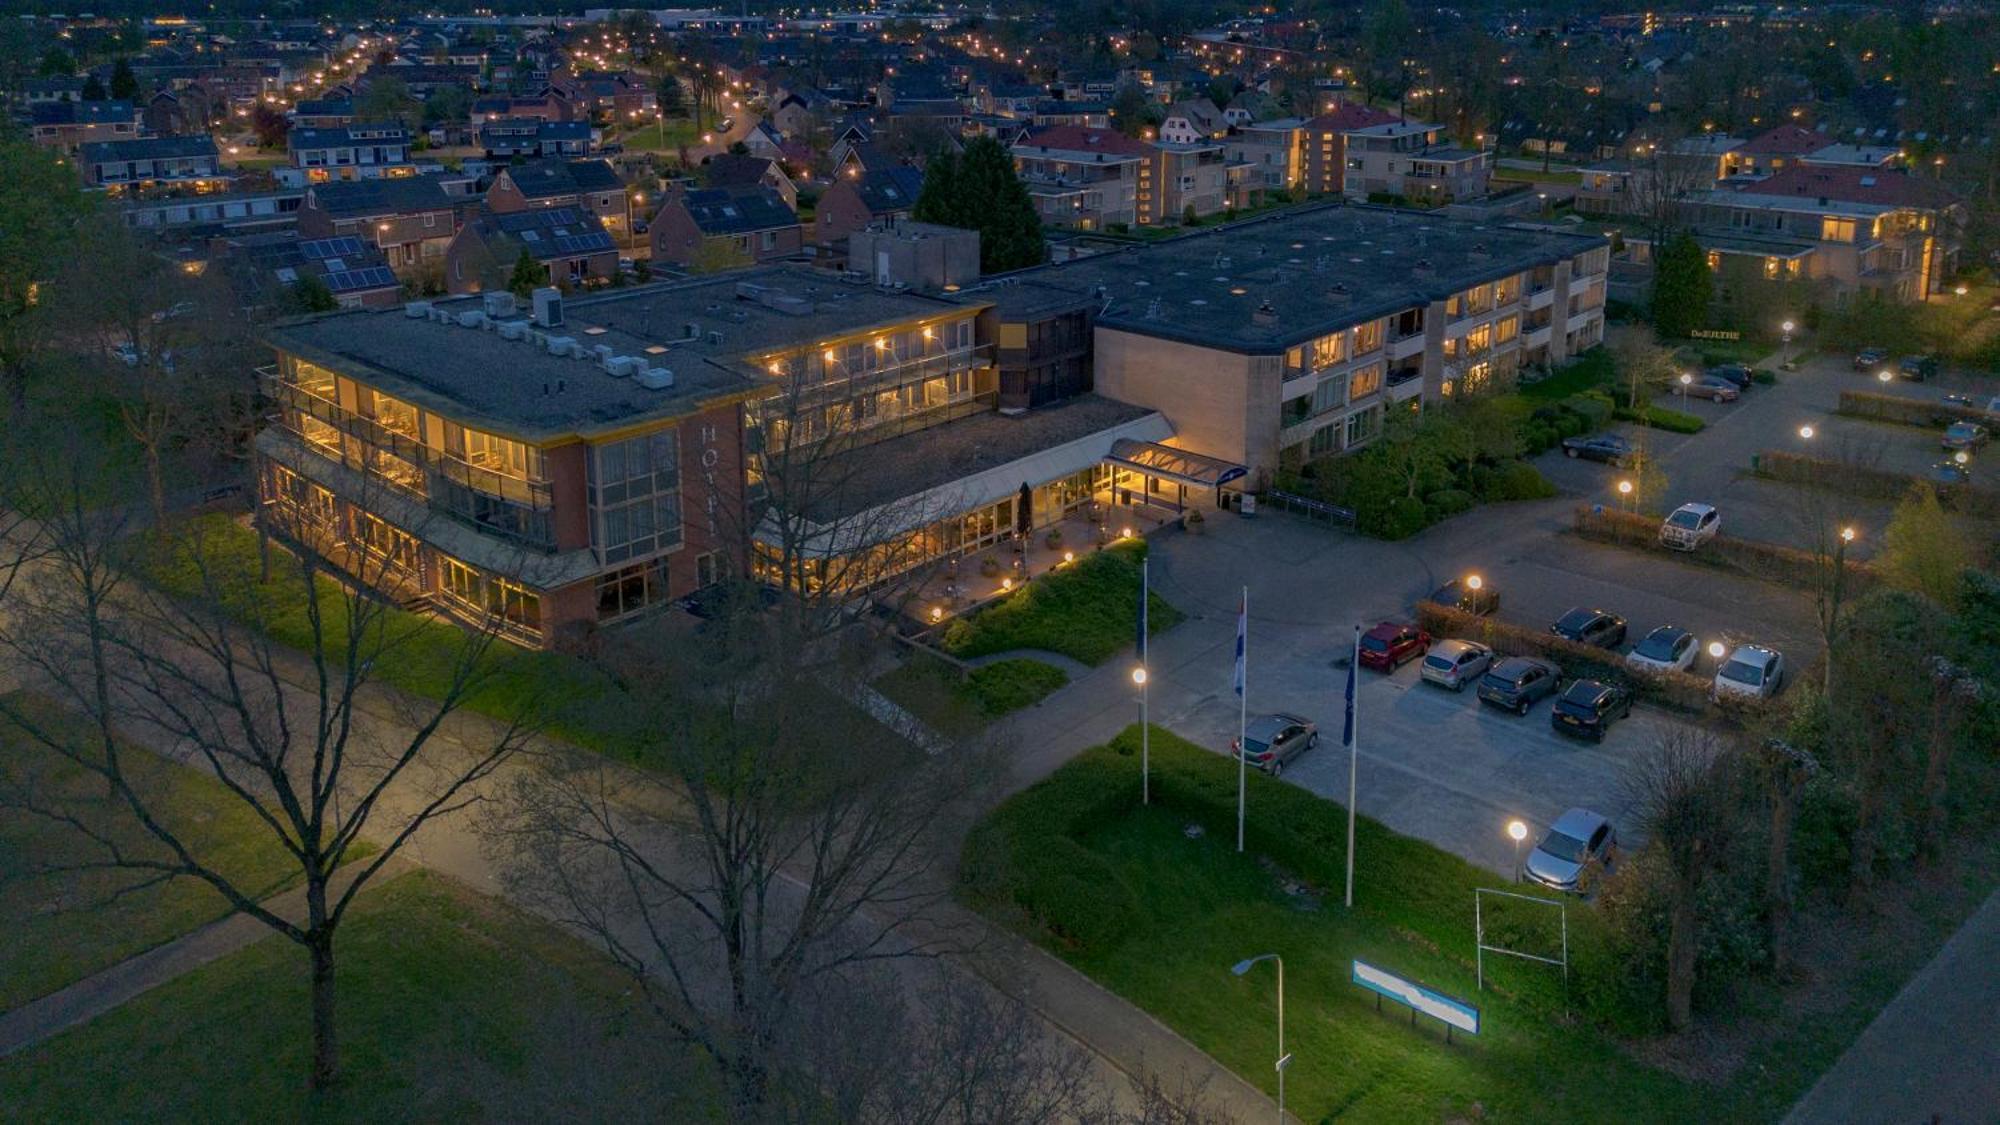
[1590,627]
[1918,367]
[1587,708]
[1516,682]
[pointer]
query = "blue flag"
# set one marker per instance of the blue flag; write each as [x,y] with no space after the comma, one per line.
[1242,635]
[1347,727]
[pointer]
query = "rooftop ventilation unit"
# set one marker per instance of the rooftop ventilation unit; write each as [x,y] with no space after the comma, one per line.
[562,345]
[715,339]
[656,378]
[602,352]
[620,366]
[440,316]
[548,307]
[513,329]
[417,310]
[498,305]
[472,320]
[749,291]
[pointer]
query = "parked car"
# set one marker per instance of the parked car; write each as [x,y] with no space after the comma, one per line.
[1389,645]
[1950,473]
[1269,741]
[1577,844]
[1455,663]
[1587,708]
[1590,627]
[1752,672]
[1738,375]
[1689,526]
[1516,682]
[725,125]
[1463,595]
[1609,448]
[641,226]
[1668,648]
[1963,402]
[1713,387]
[1917,367]
[176,311]
[1964,435]
[1870,359]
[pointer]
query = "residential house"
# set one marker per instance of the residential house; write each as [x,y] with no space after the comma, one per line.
[713,228]
[592,185]
[266,264]
[505,138]
[323,113]
[879,196]
[188,164]
[568,242]
[725,170]
[1276,149]
[350,152]
[1192,122]
[1325,144]
[1087,179]
[410,219]
[1412,159]
[67,126]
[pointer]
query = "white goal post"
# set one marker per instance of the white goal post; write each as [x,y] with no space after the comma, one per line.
[1479,932]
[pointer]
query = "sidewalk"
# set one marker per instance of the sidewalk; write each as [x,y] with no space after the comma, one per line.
[1932,1055]
[49,1016]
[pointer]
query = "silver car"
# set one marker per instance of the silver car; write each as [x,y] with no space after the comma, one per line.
[1577,844]
[1269,741]
[1454,664]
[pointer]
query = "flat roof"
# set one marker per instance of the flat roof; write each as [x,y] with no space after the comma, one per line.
[1320,268]
[513,387]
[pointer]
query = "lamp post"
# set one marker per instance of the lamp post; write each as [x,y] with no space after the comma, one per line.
[1716,649]
[1139,678]
[1885,376]
[1805,433]
[1284,1060]
[1837,587]
[1687,381]
[1785,355]
[1517,832]
[1625,493]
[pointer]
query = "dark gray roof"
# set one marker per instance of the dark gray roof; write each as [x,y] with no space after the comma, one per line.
[550,233]
[149,148]
[81,113]
[545,179]
[738,210]
[1320,268]
[299,140]
[885,190]
[404,195]
[483,379]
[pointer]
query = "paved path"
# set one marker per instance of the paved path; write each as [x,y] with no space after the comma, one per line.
[1074,668]
[41,1019]
[1932,1055]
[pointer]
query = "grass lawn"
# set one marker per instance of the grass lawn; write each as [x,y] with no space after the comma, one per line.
[58,929]
[1557,174]
[451,1006]
[1128,896]
[1593,369]
[648,138]
[426,649]
[1087,611]
[958,704]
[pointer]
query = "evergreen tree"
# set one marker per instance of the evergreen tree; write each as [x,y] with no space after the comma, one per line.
[672,101]
[1680,286]
[124,84]
[991,196]
[308,295]
[1131,110]
[528,275]
[93,90]
[938,200]
[57,63]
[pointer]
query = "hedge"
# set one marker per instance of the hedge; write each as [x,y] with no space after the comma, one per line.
[1678,690]
[1906,411]
[1661,418]
[1867,481]
[1772,562]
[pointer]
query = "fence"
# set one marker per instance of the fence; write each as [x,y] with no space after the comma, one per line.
[1308,507]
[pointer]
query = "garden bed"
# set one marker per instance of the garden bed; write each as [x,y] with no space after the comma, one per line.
[1087,610]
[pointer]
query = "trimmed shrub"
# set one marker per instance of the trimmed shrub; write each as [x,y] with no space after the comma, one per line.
[1536,438]
[1518,480]
[1594,409]
[1661,418]
[1764,377]
[1863,480]
[1404,517]
[1677,690]
[1906,411]
[1771,562]
[1009,685]
[1448,502]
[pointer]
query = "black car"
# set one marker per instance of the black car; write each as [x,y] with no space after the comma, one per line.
[1917,367]
[1460,595]
[1868,359]
[1736,373]
[1590,627]
[1950,473]
[1516,682]
[1609,448]
[1587,708]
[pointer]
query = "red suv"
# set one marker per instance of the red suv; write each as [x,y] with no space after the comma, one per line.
[1389,645]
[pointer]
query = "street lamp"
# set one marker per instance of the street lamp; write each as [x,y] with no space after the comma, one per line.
[1962,457]
[1284,1060]
[1687,381]
[1886,376]
[1716,649]
[1517,832]
[1806,432]
[1785,355]
[1474,582]
[1625,492]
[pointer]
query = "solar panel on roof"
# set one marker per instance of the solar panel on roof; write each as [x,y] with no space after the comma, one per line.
[322,248]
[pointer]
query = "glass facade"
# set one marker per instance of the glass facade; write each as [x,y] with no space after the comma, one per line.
[635,496]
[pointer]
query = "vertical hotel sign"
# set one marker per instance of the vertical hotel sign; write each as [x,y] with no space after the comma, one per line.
[710,455]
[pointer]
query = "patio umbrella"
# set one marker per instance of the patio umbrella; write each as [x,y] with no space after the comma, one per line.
[1024,511]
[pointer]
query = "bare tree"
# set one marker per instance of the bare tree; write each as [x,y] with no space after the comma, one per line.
[1686,810]
[1662,183]
[302,738]
[1783,771]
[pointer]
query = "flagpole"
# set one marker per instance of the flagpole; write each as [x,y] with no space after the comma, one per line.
[1353,751]
[1145,690]
[1242,711]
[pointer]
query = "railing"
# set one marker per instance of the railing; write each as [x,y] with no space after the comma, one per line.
[1308,507]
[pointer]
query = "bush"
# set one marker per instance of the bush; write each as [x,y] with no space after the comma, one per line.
[1537,438]
[1447,502]
[1403,517]
[1764,377]
[1661,418]
[1786,566]
[1518,480]
[1907,411]
[1009,685]
[1864,480]
[1087,611]
[1594,409]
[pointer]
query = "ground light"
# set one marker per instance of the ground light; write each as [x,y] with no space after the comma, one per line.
[1806,432]
[1716,649]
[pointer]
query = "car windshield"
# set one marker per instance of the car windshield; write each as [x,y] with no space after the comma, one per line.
[1684,518]
[1575,620]
[1440,662]
[1509,675]
[1658,645]
[1583,694]
[1746,672]
[1374,644]
[1960,429]
[1569,849]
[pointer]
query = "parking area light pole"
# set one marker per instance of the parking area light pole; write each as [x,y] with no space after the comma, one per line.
[1517,832]
[1284,1060]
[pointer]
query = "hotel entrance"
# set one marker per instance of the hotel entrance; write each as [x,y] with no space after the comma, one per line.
[1146,474]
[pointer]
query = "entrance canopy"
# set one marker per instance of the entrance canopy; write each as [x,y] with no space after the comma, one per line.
[1167,463]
